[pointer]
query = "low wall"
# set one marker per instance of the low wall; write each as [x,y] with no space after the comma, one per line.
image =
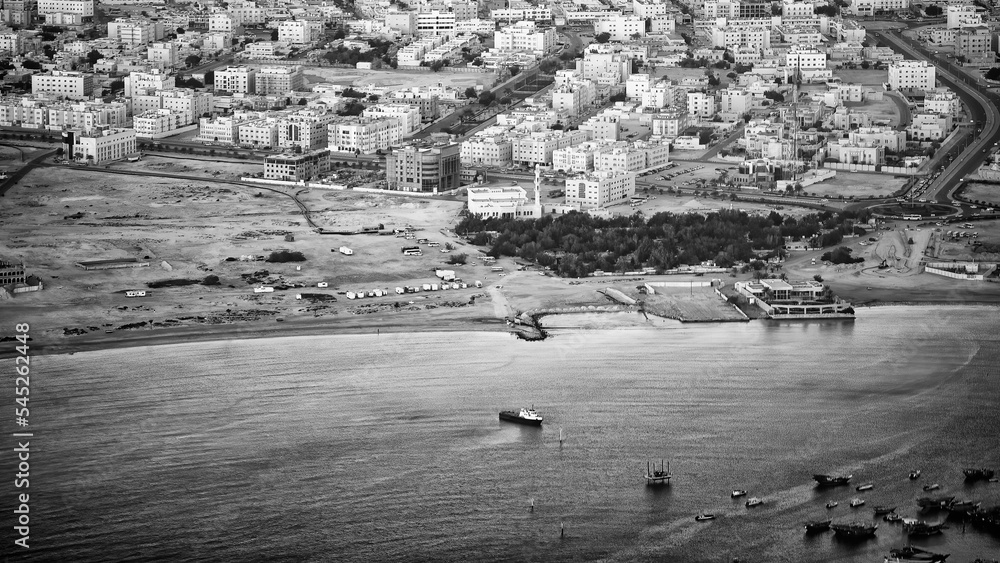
[872,168]
[954,275]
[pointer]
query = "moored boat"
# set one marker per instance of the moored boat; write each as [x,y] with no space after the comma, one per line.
[704,516]
[932,487]
[754,501]
[912,553]
[915,474]
[892,517]
[880,510]
[973,474]
[921,528]
[818,526]
[854,530]
[864,487]
[739,493]
[832,504]
[524,416]
[856,502]
[935,502]
[831,480]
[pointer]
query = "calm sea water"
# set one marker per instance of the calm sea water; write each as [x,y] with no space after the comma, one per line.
[388,448]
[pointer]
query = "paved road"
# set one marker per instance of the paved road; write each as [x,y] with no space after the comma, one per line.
[982,107]
[23,171]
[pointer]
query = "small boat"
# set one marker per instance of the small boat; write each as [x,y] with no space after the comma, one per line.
[831,480]
[856,502]
[656,476]
[864,487]
[935,502]
[915,474]
[854,530]
[932,487]
[880,510]
[962,506]
[892,517]
[922,528]
[817,526]
[754,501]
[978,474]
[525,416]
[913,553]
[704,516]
[832,504]
[739,493]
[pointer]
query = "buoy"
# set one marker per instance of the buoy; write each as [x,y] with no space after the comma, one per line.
[562,531]
[560,437]
[532,505]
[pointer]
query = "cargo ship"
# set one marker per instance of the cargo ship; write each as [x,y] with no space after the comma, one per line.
[525,416]
[832,480]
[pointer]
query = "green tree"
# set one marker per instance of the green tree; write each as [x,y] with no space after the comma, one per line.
[192,60]
[603,37]
[471,93]
[93,56]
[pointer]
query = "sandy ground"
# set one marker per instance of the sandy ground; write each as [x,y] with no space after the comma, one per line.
[855,184]
[977,191]
[395,78]
[186,229]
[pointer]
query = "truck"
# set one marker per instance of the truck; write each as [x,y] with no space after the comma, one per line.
[346,251]
[322,284]
[446,275]
[351,295]
[434,287]
[426,287]
[263,289]
[479,284]
[400,291]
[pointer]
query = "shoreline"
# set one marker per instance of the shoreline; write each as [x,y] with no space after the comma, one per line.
[337,327]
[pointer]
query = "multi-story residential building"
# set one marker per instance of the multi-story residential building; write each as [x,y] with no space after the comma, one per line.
[258,133]
[297,167]
[925,126]
[975,44]
[156,122]
[277,80]
[536,147]
[619,157]
[427,102]
[875,7]
[648,8]
[846,30]
[961,15]
[435,22]
[603,127]
[299,32]
[10,43]
[942,100]
[746,36]
[474,27]
[236,80]
[621,28]
[491,150]
[796,9]
[308,129]
[72,84]
[19,12]
[138,82]
[408,115]
[578,158]
[134,32]
[846,118]
[222,22]
[912,75]
[735,102]
[572,98]
[86,115]
[604,66]
[508,202]
[189,103]
[424,167]
[700,104]
[405,23]
[669,124]
[599,189]
[247,12]
[847,152]
[99,145]
[805,59]
[524,13]
[83,8]
[163,52]
[525,36]
[753,9]
[365,134]
[887,137]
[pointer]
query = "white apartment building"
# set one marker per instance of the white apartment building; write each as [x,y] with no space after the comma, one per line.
[648,8]
[10,43]
[700,104]
[599,189]
[735,102]
[83,8]
[278,80]
[307,128]
[258,133]
[156,122]
[222,22]
[365,134]
[621,28]
[86,115]
[507,201]
[603,127]
[886,137]
[805,59]
[912,74]
[619,158]
[578,158]
[72,84]
[247,13]
[405,23]
[190,103]
[408,115]
[733,36]
[494,151]
[134,32]
[536,148]
[605,67]
[637,85]
[942,101]
[670,123]
[961,15]
[100,145]
[526,13]
[475,26]
[435,22]
[164,52]
[794,9]
[573,98]
[524,36]
[873,7]
[137,82]
[299,32]
[236,80]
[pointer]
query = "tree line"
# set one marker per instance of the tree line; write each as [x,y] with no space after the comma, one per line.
[577,244]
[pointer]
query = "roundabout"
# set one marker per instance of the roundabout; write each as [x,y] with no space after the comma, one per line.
[915,211]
